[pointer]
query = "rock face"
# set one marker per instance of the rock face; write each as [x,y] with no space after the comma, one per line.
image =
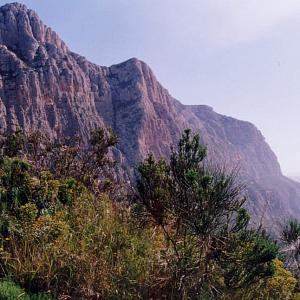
[45,86]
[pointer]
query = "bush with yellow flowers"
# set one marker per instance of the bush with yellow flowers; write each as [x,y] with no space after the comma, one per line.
[183,235]
[59,237]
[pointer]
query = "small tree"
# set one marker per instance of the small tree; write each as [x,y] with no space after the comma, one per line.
[13,143]
[89,163]
[290,237]
[200,211]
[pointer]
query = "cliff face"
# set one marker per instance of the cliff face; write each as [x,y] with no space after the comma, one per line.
[41,85]
[45,86]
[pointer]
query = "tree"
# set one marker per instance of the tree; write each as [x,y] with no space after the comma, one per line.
[88,163]
[12,143]
[290,237]
[200,211]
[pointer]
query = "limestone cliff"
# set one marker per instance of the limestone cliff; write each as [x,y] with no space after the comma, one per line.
[45,86]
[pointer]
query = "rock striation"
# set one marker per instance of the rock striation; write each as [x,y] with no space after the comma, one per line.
[45,86]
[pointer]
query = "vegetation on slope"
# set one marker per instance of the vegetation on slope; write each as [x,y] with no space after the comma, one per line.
[67,230]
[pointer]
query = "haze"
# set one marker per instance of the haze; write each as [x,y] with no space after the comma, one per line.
[240,57]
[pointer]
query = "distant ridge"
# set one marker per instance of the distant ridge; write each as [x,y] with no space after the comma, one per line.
[296,178]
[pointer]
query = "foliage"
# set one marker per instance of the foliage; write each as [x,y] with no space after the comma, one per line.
[88,250]
[13,143]
[86,161]
[10,291]
[200,211]
[280,286]
[290,237]
[60,235]
[291,231]
[185,236]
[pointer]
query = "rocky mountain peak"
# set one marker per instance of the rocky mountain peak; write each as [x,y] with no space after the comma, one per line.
[22,32]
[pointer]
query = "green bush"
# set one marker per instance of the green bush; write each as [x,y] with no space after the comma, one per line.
[11,291]
[199,209]
[185,235]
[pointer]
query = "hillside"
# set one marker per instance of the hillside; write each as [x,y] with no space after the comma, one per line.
[45,86]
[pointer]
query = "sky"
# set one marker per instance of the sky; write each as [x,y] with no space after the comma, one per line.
[240,57]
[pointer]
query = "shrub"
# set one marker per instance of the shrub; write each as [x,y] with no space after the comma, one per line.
[186,235]
[10,291]
[86,249]
[200,211]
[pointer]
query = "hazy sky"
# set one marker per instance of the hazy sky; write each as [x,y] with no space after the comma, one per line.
[242,57]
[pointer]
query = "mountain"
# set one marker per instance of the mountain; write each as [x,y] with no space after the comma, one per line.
[295,177]
[45,86]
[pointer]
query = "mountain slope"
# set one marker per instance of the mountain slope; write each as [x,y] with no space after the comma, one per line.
[45,86]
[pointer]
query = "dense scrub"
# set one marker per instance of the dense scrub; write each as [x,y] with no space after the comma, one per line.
[67,230]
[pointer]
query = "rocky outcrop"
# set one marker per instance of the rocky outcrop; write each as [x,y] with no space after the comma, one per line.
[41,83]
[45,86]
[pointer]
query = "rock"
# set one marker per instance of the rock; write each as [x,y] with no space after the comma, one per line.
[45,86]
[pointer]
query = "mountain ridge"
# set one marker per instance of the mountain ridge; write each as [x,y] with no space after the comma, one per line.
[46,86]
